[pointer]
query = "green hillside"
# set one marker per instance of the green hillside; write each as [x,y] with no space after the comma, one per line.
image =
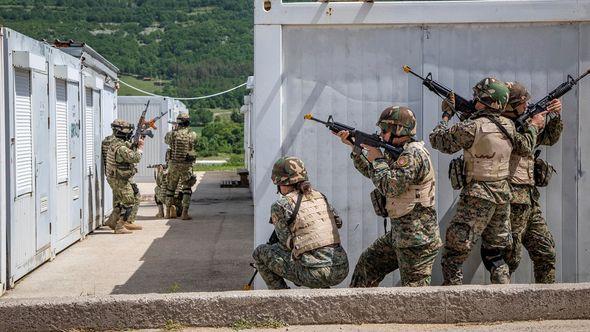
[192,47]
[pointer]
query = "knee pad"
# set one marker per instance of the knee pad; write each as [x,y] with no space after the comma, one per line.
[492,258]
[126,212]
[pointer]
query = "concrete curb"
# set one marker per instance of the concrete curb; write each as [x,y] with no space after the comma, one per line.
[302,307]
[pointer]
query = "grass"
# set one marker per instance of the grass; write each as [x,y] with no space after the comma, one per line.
[234,162]
[173,326]
[138,83]
[174,288]
[245,324]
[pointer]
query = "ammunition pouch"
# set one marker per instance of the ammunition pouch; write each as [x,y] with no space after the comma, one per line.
[543,171]
[191,156]
[456,174]
[379,203]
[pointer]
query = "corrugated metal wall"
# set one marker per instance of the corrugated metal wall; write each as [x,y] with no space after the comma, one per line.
[353,72]
[154,151]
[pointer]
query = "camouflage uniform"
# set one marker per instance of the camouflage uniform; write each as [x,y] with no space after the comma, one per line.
[483,209]
[320,267]
[526,219]
[106,142]
[120,169]
[161,176]
[180,166]
[414,240]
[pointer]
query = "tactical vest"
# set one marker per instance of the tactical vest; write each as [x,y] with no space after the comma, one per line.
[521,169]
[105,148]
[116,169]
[488,158]
[314,227]
[181,144]
[423,192]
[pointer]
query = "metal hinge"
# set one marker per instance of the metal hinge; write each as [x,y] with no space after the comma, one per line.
[48,122]
[49,228]
[80,214]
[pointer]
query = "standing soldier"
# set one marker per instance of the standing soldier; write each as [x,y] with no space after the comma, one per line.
[106,142]
[407,187]
[308,251]
[484,205]
[526,219]
[161,177]
[181,143]
[120,169]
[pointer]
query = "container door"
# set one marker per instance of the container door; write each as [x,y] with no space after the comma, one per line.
[76,156]
[22,230]
[42,159]
[89,158]
[96,161]
[109,114]
[66,231]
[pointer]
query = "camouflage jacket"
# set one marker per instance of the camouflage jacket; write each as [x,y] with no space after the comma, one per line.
[392,178]
[522,194]
[280,213]
[461,136]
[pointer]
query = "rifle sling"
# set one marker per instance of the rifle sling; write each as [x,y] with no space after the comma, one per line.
[500,126]
[296,210]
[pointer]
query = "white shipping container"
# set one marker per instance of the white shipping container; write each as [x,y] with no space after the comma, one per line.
[345,60]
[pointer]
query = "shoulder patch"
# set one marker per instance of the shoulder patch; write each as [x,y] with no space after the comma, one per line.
[402,161]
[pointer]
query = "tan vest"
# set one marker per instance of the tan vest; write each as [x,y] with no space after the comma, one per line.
[314,227]
[521,169]
[488,158]
[116,169]
[106,142]
[181,144]
[423,192]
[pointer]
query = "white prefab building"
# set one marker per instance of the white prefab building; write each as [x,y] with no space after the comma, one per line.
[52,115]
[345,60]
[154,151]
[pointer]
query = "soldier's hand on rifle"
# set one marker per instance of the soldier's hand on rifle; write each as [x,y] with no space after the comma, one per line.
[372,152]
[140,143]
[448,107]
[538,120]
[344,137]
[554,107]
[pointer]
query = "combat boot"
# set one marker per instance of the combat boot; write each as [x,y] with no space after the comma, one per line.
[185,215]
[120,228]
[133,226]
[172,212]
[112,221]
[160,211]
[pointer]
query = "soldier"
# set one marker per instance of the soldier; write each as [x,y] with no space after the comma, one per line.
[161,177]
[180,165]
[526,219]
[120,169]
[483,209]
[407,185]
[106,142]
[308,250]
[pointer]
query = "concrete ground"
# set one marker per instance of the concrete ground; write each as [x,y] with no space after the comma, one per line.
[209,253]
[549,326]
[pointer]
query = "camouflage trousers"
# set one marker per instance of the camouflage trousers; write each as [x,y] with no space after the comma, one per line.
[275,264]
[126,196]
[477,218]
[383,257]
[179,176]
[530,229]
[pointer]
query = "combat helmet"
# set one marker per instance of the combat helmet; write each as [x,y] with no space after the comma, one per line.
[122,128]
[492,93]
[400,120]
[183,119]
[288,171]
[518,95]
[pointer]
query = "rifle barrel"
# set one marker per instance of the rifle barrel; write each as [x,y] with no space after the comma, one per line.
[310,117]
[409,70]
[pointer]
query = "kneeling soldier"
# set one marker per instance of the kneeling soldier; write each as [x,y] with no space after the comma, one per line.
[308,250]
[407,185]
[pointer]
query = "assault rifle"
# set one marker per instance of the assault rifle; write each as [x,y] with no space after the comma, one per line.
[463,107]
[357,137]
[541,105]
[156,165]
[272,240]
[144,127]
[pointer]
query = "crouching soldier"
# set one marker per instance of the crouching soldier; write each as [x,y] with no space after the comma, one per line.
[308,250]
[407,187]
